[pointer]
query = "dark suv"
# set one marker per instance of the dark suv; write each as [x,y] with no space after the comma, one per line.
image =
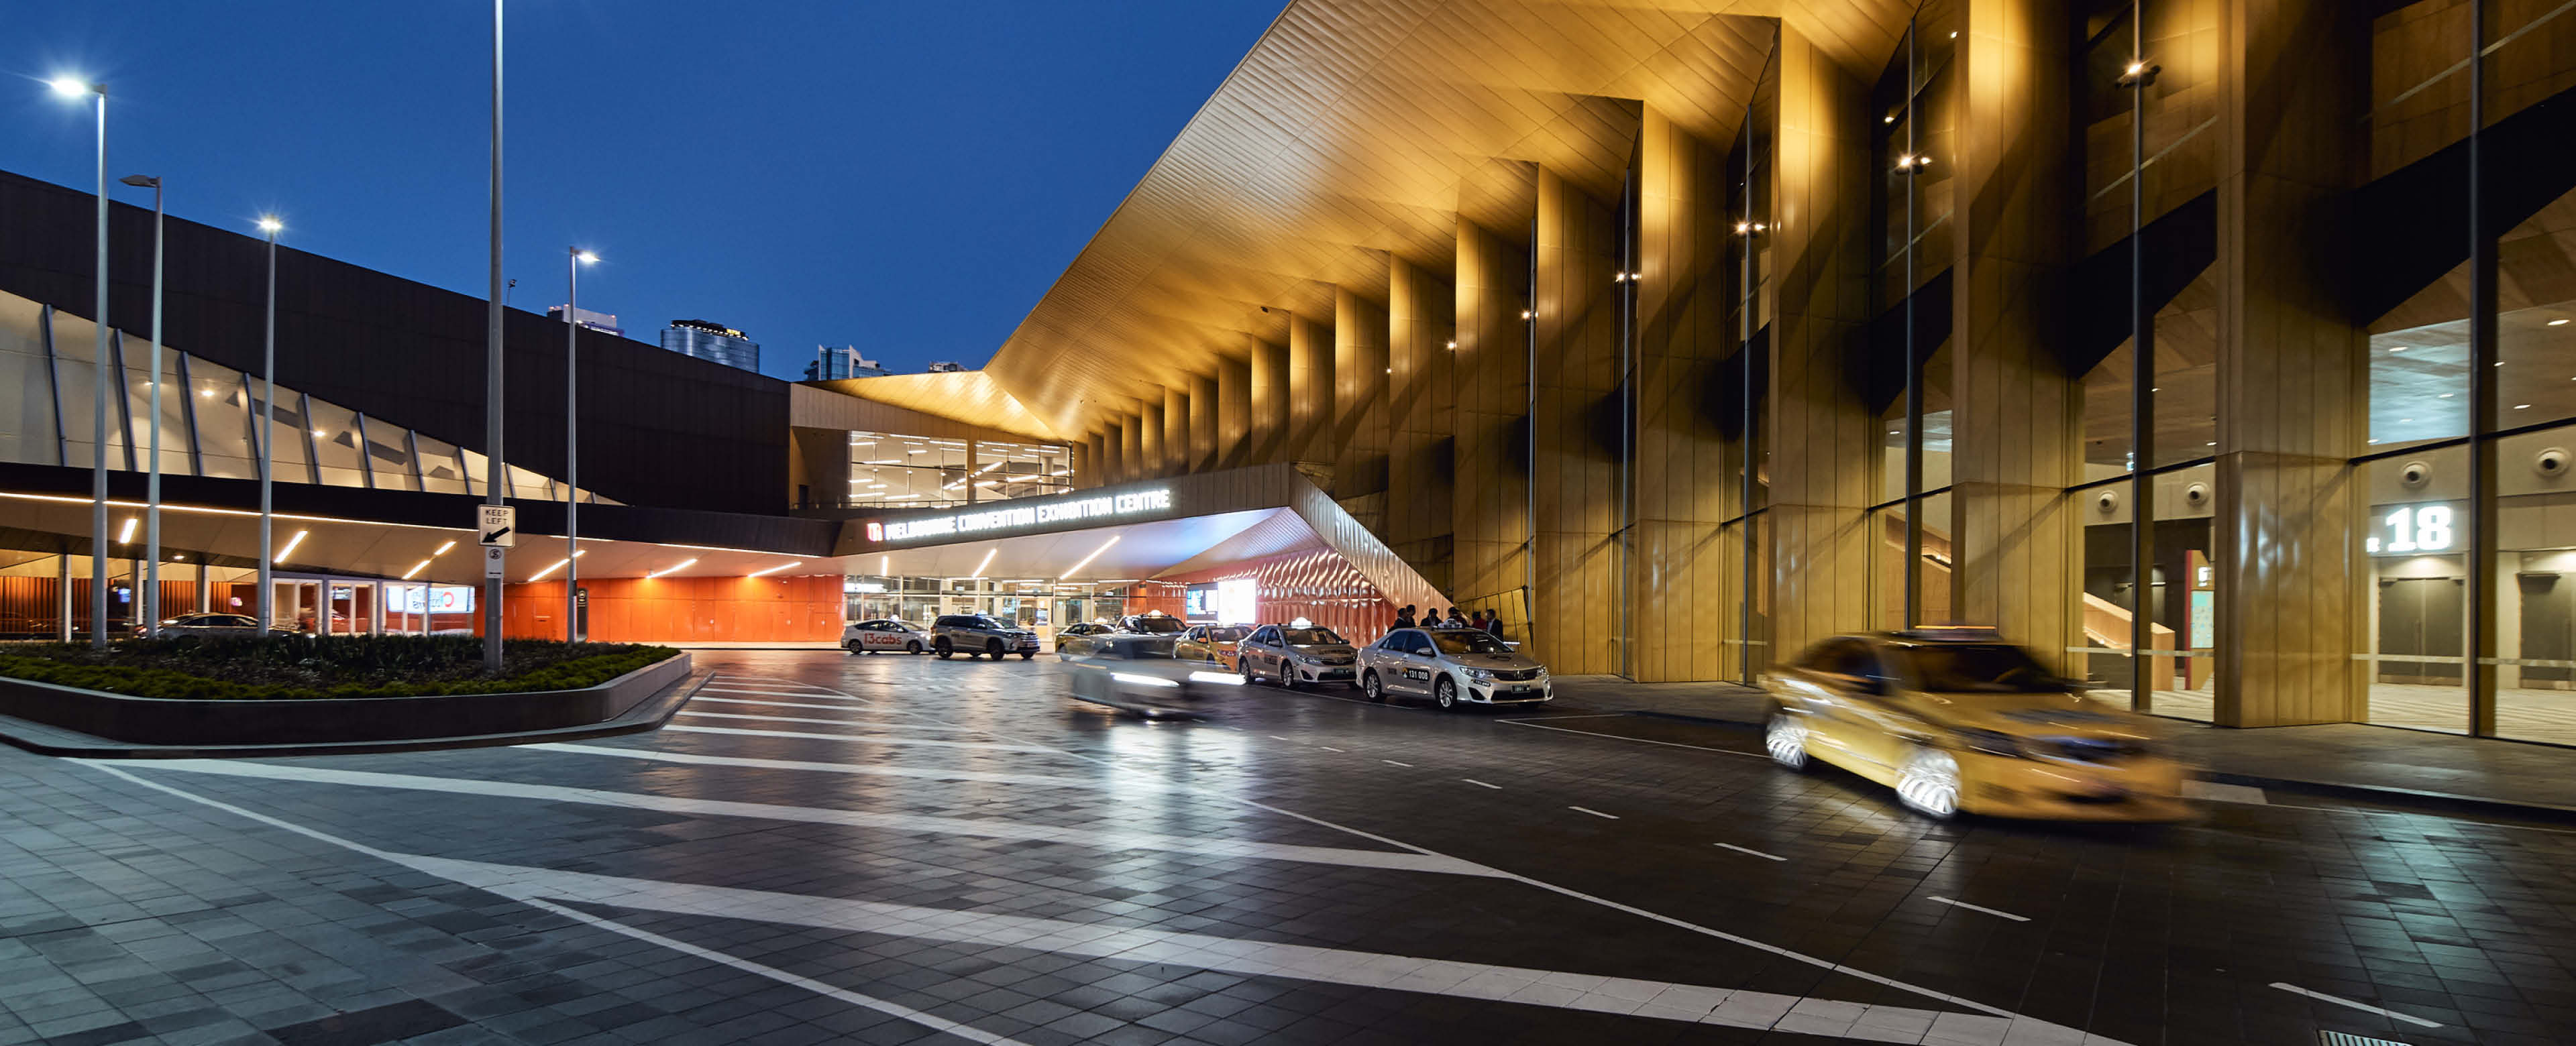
[972,634]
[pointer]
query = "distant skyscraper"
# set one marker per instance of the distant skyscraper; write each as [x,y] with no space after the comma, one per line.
[831,364]
[944,367]
[603,322]
[712,341]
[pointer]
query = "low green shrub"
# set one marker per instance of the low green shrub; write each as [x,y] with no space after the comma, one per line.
[292,668]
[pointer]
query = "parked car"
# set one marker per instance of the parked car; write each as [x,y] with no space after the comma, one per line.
[888,634]
[1454,667]
[1136,672]
[973,634]
[1214,644]
[1957,720]
[1076,638]
[1297,653]
[215,625]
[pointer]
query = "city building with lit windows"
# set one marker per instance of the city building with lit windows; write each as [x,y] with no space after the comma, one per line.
[2180,351]
[712,341]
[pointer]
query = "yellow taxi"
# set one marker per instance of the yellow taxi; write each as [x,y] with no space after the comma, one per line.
[1214,643]
[1957,720]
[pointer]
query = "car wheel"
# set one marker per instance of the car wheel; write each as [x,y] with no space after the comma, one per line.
[852,647]
[1243,668]
[993,647]
[1375,690]
[1287,676]
[913,647]
[943,649]
[1929,784]
[1445,694]
[1786,739]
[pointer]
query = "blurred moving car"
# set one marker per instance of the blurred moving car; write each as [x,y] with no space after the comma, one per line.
[214,625]
[1136,672]
[1956,719]
[1296,653]
[1211,643]
[868,637]
[1074,638]
[972,634]
[1453,667]
[1152,623]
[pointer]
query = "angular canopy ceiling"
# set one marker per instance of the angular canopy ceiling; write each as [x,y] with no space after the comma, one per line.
[1360,129]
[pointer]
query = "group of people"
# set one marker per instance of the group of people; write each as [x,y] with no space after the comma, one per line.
[1484,620]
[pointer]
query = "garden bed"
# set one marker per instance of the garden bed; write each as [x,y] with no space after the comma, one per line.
[289,668]
[196,694]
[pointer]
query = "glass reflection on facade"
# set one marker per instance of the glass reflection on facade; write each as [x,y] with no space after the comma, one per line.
[900,471]
[211,417]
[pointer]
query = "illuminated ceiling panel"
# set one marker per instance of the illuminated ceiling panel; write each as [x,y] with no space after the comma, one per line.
[1358,129]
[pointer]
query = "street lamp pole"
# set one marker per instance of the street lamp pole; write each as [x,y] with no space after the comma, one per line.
[151,602]
[494,478]
[268,436]
[572,445]
[72,88]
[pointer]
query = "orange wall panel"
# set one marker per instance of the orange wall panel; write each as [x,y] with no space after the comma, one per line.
[805,608]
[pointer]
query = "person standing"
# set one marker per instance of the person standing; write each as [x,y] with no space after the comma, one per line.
[1404,616]
[1494,623]
[1454,620]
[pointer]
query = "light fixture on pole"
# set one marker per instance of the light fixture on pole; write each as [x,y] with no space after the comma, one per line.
[267,431]
[70,87]
[573,630]
[494,479]
[151,603]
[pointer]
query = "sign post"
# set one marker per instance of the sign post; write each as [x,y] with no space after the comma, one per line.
[497,527]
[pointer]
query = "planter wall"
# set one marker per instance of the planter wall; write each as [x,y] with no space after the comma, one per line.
[163,721]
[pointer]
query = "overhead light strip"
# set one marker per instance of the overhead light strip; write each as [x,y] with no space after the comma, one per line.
[674,568]
[775,569]
[988,561]
[1086,560]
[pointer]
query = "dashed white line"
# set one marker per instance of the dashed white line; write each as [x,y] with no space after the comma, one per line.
[1982,908]
[1391,762]
[1481,784]
[1274,737]
[1595,813]
[1639,740]
[2363,1006]
[1756,853]
[1328,748]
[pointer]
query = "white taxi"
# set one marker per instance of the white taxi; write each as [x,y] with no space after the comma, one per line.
[1454,667]
[884,634]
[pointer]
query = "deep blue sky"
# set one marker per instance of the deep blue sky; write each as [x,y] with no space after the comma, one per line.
[905,177]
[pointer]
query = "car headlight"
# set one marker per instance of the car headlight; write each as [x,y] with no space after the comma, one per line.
[1303,658]
[1132,679]
[1480,675]
[1988,741]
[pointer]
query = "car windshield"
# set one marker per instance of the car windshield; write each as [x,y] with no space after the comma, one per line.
[1309,637]
[1468,641]
[1226,635]
[1994,668]
[1156,625]
[994,624]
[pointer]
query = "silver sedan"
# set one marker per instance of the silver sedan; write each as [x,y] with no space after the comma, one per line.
[1453,667]
[1297,653]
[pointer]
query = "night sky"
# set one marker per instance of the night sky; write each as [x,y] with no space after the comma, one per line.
[908,178]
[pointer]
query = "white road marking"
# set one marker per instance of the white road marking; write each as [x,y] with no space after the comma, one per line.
[1638,740]
[1102,838]
[895,1009]
[776,693]
[1743,1008]
[1999,1021]
[921,773]
[858,738]
[1595,813]
[1982,908]
[794,719]
[2224,793]
[1473,781]
[1328,748]
[826,708]
[2362,1006]
[1391,762]
[1545,718]
[1756,853]
[1275,737]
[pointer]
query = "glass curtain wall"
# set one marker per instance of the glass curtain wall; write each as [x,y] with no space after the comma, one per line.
[900,471]
[210,417]
[2469,526]
[1913,148]
[1751,307]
